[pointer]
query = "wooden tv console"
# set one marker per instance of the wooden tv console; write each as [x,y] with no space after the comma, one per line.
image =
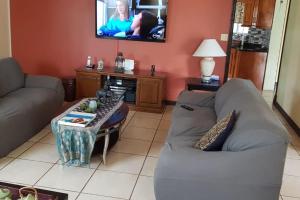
[150,90]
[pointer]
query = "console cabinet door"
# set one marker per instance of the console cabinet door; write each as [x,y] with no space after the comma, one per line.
[149,92]
[87,84]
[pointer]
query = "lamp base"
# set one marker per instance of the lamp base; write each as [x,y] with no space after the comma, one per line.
[207,68]
[205,79]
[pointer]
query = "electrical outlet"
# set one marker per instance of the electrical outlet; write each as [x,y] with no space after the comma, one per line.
[224,37]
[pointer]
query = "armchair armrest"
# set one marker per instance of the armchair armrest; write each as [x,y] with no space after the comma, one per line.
[204,99]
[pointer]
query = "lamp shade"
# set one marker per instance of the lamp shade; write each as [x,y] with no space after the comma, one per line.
[209,48]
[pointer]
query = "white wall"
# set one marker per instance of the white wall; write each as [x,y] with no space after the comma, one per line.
[288,93]
[276,41]
[5,36]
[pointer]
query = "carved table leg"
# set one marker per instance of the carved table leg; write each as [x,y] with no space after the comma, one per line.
[105,146]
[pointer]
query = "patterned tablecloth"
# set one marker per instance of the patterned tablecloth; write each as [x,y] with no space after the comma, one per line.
[75,144]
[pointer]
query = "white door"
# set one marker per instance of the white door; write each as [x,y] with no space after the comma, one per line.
[288,91]
[5,46]
[276,41]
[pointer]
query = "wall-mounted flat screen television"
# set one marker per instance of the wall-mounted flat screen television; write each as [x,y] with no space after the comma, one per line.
[142,20]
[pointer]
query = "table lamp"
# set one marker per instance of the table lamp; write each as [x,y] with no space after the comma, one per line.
[208,49]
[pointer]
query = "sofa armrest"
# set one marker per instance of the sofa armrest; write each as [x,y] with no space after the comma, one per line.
[190,173]
[204,99]
[35,81]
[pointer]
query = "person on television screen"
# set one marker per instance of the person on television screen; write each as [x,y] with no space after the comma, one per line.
[120,22]
[142,24]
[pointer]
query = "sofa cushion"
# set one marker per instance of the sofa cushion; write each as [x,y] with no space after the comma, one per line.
[25,112]
[26,101]
[214,139]
[234,87]
[191,123]
[257,125]
[203,99]
[11,76]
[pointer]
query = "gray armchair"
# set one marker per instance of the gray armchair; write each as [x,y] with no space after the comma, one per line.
[27,104]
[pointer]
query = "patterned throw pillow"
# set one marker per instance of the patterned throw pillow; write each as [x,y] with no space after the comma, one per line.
[214,139]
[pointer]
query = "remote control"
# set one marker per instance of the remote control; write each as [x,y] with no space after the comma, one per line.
[187,107]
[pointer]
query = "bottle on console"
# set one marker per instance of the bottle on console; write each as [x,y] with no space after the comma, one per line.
[100,65]
[89,62]
[152,70]
[119,63]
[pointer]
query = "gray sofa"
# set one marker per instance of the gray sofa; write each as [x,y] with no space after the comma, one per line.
[250,165]
[27,104]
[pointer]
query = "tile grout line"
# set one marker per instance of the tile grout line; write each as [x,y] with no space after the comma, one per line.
[132,154]
[117,172]
[291,175]
[87,182]
[44,174]
[139,175]
[102,161]
[53,188]
[8,162]
[295,149]
[122,131]
[26,159]
[296,198]
[117,198]
[17,157]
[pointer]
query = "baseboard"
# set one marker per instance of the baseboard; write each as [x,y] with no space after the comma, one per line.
[289,120]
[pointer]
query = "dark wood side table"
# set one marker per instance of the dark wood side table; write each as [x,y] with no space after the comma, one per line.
[69,84]
[197,84]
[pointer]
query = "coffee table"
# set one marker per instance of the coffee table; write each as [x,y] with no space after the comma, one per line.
[76,143]
[114,123]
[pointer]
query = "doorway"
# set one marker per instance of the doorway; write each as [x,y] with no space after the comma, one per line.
[276,44]
[255,43]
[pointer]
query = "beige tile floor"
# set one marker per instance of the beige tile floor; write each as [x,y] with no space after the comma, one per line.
[130,164]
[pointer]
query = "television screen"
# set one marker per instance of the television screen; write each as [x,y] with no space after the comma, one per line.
[142,20]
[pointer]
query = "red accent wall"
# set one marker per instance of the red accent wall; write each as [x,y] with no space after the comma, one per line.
[55,37]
